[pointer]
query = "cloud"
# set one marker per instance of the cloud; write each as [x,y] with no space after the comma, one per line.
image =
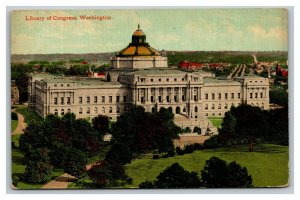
[273,33]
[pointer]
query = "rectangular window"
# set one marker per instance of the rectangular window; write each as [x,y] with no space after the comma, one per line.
[110,99]
[118,99]
[168,98]
[68,85]
[55,100]
[124,98]
[152,99]
[195,98]
[250,95]
[80,99]
[68,100]
[261,95]
[103,99]
[226,96]
[239,95]
[183,98]
[142,100]
[95,99]
[62,100]
[159,99]
[232,95]
[256,95]
[213,96]
[219,95]
[87,99]
[206,96]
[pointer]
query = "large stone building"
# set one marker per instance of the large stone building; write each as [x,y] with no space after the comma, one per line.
[139,75]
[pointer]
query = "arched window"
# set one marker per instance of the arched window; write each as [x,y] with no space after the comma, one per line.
[184,109]
[177,110]
[103,109]
[96,110]
[110,109]
[118,110]
[62,112]
[213,106]
[88,111]
[206,106]
[55,112]
[196,109]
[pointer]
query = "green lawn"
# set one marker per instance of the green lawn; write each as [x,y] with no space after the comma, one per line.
[14,124]
[18,166]
[28,115]
[217,121]
[268,165]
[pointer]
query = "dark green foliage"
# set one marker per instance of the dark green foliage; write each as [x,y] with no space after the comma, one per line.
[189,149]
[74,162]
[278,96]
[217,174]
[155,156]
[119,153]
[101,124]
[246,124]
[171,153]
[147,184]
[70,143]
[165,155]
[144,131]
[212,142]
[179,151]
[14,116]
[38,168]
[175,176]
[107,174]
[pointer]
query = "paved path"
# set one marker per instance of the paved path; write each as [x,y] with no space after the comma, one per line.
[60,182]
[21,124]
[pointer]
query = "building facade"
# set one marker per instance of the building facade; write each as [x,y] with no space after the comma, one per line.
[132,80]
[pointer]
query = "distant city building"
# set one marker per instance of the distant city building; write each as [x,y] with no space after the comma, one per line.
[139,75]
[14,93]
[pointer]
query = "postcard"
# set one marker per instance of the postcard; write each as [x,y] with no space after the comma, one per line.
[149,98]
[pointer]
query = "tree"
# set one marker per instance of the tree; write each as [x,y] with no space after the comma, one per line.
[101,124]
[108,174]
[147,184]
[217,174]
[197,130]
[119,153]
[175,176]
[74,162]
[38,169]
[227,130]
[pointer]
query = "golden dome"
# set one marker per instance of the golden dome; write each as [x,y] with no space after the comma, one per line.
[138,46]
[138,33]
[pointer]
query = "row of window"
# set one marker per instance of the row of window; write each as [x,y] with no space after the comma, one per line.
[143,80]
[88,100]
[88,110]
[213,96]
[62,85]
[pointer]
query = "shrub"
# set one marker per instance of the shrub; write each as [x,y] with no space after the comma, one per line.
[155,156]
[165,156]
[189,148]
[179,151]
[171,153]
[14,116]
[211,143]
[147,184]
[198,146]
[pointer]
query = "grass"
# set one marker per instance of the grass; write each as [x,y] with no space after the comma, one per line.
[18,166]
[14,124]
[27,114]
[268,165]
[217,121]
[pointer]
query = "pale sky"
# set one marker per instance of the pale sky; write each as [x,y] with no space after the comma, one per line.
[177,29]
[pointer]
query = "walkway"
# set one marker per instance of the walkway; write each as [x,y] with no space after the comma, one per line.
[60,182]
[21,124]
